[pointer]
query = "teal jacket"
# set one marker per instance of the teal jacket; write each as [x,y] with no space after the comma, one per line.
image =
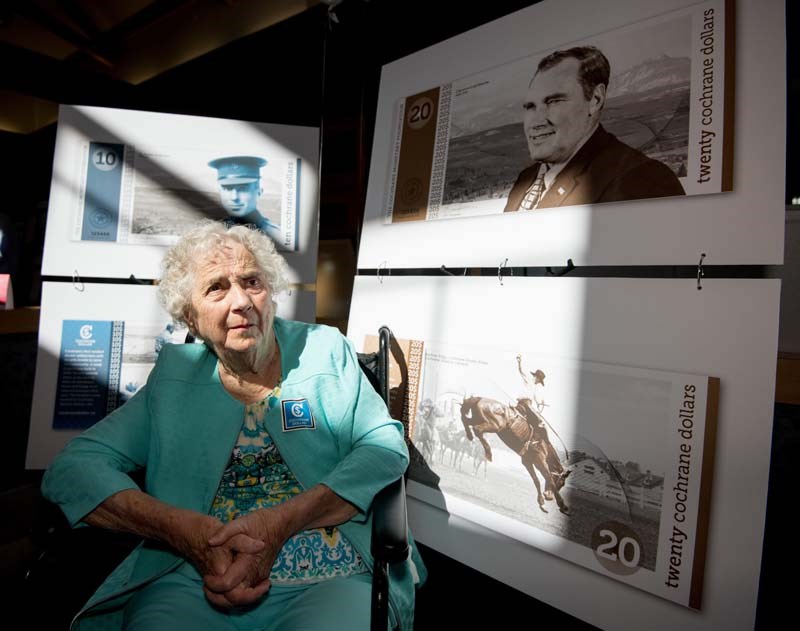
[182,426]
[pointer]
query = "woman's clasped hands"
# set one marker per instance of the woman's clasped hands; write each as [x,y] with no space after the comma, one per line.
[241,555]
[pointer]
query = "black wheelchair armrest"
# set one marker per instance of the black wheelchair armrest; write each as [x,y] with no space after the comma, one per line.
[390,523]
[389,545]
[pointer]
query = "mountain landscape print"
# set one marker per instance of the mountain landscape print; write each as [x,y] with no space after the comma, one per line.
[647,107]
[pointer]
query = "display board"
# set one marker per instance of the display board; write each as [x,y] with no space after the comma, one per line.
[623,379]
[126,184]
[682,162]
[624,455]
[97,346]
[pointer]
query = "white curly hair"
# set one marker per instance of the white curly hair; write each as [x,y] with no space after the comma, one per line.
[177,279]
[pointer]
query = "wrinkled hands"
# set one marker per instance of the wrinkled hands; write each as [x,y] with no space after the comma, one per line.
[192,541]
[256,539]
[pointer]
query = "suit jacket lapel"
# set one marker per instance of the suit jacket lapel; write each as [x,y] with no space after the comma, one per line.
[570,176]
[522,185]
[560,189]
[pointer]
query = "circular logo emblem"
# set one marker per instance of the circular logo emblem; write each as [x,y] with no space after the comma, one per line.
[100,218]
[297,410]
[411,191]
[105,159]
[86,332]
[617,547]
[420,113]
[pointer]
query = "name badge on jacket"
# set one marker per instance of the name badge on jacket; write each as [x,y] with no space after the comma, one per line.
[296,414]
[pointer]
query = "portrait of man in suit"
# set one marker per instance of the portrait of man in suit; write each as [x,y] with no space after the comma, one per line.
[575,160]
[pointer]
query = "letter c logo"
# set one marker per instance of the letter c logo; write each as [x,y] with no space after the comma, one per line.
[86,331]
[297,410]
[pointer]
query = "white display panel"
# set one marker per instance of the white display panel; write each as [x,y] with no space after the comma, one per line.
[633,324]
[742,226]
[587,461]
[98,343]
[126,184]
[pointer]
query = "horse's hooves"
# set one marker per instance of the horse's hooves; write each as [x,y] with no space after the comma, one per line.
[564,509]
[543,509]
[548,495]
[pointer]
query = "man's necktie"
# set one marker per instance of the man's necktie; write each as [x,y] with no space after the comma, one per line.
[535,191]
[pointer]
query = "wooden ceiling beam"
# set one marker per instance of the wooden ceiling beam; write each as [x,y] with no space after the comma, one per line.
[61,30]
[76,12]
[38,75]
[145,18]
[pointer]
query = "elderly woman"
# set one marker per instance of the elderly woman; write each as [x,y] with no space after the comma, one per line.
[262,448]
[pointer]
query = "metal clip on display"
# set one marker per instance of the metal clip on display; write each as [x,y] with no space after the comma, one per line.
[570,266]
[383,268]
[77,283]
[500,269]
[136,281]
[700,272]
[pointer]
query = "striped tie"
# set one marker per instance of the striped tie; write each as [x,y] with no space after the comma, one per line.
[534,194]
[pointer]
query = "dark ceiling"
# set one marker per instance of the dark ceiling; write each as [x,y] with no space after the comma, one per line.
[70,50]
[134,40]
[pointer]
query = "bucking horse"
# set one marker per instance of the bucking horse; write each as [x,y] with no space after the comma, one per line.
[526,435]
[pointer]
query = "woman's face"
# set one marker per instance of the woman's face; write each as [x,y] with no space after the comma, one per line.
[231,301]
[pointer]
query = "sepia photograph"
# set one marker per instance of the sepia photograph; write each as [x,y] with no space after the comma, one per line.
[593,456]
[623,115]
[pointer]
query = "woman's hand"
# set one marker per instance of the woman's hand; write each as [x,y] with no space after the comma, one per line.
[246,579]
[187,532]
[191,538]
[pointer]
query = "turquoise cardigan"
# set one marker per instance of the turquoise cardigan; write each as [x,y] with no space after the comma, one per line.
[182,426]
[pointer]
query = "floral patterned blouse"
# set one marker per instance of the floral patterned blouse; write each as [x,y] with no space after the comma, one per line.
[256,478]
